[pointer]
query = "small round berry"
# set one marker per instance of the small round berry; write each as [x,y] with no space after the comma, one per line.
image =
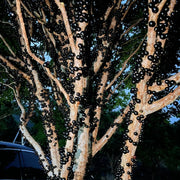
[152,23]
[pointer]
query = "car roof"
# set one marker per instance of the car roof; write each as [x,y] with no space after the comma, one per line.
[4,144]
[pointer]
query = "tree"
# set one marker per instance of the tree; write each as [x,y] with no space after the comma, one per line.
[68,56]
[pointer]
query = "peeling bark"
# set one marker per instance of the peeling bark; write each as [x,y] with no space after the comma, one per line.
[82,152]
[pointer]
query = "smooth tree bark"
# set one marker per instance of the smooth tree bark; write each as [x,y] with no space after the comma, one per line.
[77,76]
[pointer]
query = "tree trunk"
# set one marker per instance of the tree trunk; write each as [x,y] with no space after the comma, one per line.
[81,156]
[83,147]
[128,157]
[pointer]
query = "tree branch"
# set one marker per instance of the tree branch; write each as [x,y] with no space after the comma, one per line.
[48,124]
[83,26]
[59,85]
[57,96]
[24,120]
[146,63]
[133,25]
[7,45]
[51,37]
[161,87]
[127,10]
[10,4]
[37,148]
[61,7]
[112,92]
[163,102]
[9,86]
[108,11]
[5,115]
[143,108]
[27,135]
[100,94]
[4,22]
[99,61]
[12,67]
[70,142]
[100,144]
[46,31]
[48,4]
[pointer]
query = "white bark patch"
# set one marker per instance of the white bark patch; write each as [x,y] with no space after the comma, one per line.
[81,156]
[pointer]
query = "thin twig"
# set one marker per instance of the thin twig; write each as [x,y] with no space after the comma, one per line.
[127,10]
[133,25]
[7,45]
[10,4]
[108,11]
[124,65]
[8,85]
[112,92]
[4,116]
[118,4]
[4,22]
